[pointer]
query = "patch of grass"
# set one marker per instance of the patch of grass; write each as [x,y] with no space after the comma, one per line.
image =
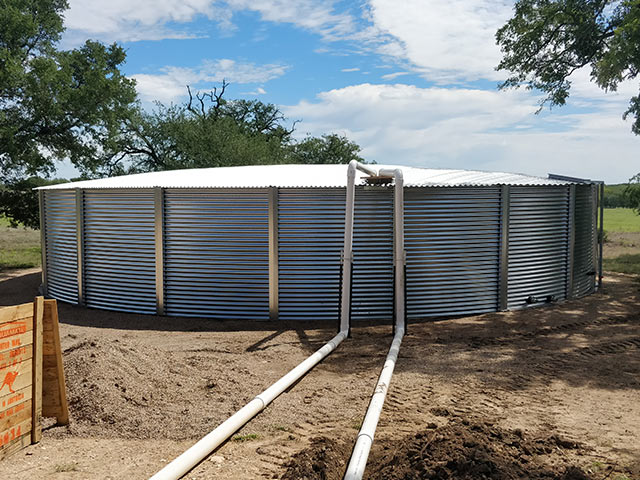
[621,220]
[246,438]
[66,467]
[356,423]
[596,466]
[19,247]
[627,263]
[280,428]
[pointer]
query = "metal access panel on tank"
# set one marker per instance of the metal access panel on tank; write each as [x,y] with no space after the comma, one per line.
[584,254]
[538,245]
[60,243]
[216,253]
[452,239]
[119,250]
[310,241]
[372,284]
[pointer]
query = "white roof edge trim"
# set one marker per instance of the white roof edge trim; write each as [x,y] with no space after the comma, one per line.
[300,176]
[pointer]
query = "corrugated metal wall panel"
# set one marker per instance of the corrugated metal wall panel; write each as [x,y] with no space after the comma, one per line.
[584,259]
[310,241]
[61,244]
[216,253]
[119,250]
[538,244]
[372,287]
[452,239]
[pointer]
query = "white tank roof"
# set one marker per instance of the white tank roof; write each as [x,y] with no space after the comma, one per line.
[300,176]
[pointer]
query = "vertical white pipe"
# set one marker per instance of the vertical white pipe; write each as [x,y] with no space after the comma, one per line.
[347,252]
[398,242]
[358,461]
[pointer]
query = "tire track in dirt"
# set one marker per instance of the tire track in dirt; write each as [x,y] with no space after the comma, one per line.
[479,342]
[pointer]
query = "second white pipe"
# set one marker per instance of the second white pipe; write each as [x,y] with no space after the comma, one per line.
[358,461]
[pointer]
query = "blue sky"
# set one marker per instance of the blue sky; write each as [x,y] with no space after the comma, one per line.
[411,82]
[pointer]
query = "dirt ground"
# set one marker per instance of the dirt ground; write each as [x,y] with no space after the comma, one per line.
[544,393]
[621,243]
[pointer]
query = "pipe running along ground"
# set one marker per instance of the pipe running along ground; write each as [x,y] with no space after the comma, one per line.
[203,448]
[358,461]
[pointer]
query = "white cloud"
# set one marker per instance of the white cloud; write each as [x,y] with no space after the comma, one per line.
[391,76]
[355,69]
[124,20]
[584,89]
[446,39]
[257,91]
[468,128]
[170,85]
[318,17]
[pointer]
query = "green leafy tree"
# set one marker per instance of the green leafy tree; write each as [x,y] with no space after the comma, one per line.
[19,203]
[632,193]
[210,131]
[55,104]
[547,40]
[615,197]
[330,148]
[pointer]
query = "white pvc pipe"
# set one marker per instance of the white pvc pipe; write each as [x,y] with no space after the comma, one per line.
[347,254]
[198,452]
[358,461]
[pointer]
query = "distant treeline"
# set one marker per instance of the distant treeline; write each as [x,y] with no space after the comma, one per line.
[614,196]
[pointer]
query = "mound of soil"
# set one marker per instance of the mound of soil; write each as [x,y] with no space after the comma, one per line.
[460,450]
[324,459]
[464,450]
[119,388]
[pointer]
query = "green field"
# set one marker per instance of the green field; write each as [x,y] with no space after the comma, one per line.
[622,241]
[621,220]
[626,263]
[19,247]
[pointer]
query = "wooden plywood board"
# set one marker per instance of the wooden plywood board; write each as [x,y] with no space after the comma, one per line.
[15,356]
[15,415]
[31,373]
[54,400]
[16,333]
[15,445]
[15,432]
[16,375]
[12,399]
[9,314]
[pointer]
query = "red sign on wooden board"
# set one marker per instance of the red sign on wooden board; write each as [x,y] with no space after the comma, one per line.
[25,331]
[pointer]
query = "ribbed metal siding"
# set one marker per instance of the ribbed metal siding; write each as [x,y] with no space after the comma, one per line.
[119,250]
[538,244]
[310,241]
[61,244]
[584,261]
[216,253]
[372,287]
[452,238]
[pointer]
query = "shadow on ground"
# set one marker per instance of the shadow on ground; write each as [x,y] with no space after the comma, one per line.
[593,340]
